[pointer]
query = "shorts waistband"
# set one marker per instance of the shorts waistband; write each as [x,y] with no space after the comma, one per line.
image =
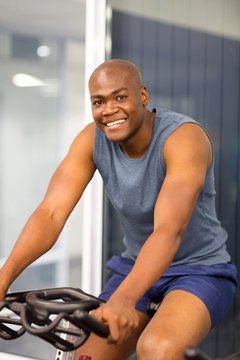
[123,266]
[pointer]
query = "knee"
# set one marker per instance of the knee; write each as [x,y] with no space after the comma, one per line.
[153,347]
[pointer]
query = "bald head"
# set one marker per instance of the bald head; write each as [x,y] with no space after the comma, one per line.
[121,67]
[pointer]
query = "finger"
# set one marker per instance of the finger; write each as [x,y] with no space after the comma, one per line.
[114,330]
[97,314]
[120,330]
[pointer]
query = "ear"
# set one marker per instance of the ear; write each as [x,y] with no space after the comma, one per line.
[144,96]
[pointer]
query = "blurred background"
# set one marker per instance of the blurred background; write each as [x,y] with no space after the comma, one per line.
[189,55]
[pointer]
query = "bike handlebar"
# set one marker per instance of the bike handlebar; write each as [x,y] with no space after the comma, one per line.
[35,309]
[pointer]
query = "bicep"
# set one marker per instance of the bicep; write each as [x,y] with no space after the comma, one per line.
[187,155]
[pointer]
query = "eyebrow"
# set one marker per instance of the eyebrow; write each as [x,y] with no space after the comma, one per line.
[115,92]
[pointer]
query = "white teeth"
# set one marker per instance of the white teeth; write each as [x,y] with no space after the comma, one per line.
[115,122]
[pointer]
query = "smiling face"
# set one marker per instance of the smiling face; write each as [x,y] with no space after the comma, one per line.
[118,100]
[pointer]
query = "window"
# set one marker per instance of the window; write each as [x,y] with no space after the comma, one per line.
[42,68]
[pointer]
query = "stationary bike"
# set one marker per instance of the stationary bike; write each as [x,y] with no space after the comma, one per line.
[61,316]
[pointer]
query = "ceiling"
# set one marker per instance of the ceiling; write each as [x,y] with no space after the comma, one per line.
[57,18]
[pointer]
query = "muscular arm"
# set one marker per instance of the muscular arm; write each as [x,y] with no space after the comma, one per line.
[44,226]
[187,155]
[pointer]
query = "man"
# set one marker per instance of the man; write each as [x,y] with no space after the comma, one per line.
[157,169]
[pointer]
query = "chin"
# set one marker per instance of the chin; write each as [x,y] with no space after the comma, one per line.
[115,139]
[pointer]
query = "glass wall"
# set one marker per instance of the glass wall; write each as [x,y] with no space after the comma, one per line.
[189,54]
[42,101]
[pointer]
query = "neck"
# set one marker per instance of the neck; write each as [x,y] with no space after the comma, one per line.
[136,146]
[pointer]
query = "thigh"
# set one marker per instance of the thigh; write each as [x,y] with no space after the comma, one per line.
[182,320]
[215,292]
[185,316]
[99,349]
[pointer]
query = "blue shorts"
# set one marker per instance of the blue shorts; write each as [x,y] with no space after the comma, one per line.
[214,285]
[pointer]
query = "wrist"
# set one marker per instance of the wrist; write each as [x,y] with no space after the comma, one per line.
[124,297]
[5,280]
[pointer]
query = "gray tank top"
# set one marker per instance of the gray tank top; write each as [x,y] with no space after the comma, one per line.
[133,186]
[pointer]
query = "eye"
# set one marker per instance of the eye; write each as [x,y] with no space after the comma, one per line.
[97,102]
[121,97]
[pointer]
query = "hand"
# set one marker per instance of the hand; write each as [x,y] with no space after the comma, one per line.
[121,318]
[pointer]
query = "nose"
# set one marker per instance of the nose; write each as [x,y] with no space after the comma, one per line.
[110,108]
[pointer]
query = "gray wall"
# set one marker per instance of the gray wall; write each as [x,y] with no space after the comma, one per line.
[197,73]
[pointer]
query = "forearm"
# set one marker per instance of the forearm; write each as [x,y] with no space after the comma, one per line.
[153,260]
[38,236]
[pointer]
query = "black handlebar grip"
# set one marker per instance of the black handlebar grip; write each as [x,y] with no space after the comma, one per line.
[195,354]
[89,323]
[153,306]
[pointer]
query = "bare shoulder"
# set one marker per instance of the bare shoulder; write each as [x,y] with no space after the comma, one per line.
[83,144]
[190,133]
[87,134]
[189,142]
